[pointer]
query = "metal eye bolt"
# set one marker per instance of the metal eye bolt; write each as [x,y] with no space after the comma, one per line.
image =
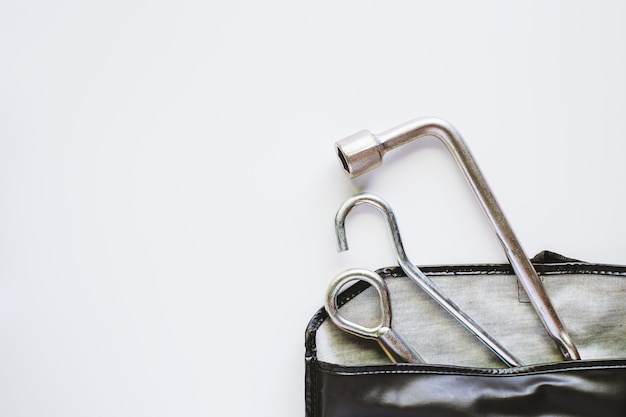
[392,344]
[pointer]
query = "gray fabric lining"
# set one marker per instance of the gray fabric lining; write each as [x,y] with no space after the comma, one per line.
[591,306]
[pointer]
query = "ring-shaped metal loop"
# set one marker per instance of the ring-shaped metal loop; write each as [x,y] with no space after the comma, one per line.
[349,326]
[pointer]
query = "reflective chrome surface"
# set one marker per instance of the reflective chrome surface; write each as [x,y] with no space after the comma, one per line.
[415,273]
[364,151]
[396,349]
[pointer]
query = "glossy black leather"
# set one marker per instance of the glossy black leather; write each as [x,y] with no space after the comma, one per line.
[581,388]
[564,389]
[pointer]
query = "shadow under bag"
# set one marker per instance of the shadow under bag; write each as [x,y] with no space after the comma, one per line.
[349,376]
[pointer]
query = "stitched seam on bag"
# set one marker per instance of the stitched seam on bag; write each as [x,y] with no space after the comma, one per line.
[505,269]
[313,381]
[495,374]
[485,372]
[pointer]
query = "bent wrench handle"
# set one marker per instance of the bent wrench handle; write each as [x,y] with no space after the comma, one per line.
[363,152]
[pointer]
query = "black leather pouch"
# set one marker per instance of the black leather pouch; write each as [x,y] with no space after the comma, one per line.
[348,376]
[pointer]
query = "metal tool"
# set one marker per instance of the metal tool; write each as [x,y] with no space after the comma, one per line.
[415,273]
[364,151]
[396,349]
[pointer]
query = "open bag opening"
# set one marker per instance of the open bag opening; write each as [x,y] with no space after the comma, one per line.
[347,375]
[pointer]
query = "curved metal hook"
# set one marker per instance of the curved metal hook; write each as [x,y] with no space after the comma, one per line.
[415,273]
[364,151]
[383,208]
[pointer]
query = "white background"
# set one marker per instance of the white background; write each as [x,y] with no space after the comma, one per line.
[168,181]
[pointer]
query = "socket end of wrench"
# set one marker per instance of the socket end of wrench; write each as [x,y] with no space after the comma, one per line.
[359,153]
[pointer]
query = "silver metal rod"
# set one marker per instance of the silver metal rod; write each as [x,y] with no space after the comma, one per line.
[397,350]
[364,151]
